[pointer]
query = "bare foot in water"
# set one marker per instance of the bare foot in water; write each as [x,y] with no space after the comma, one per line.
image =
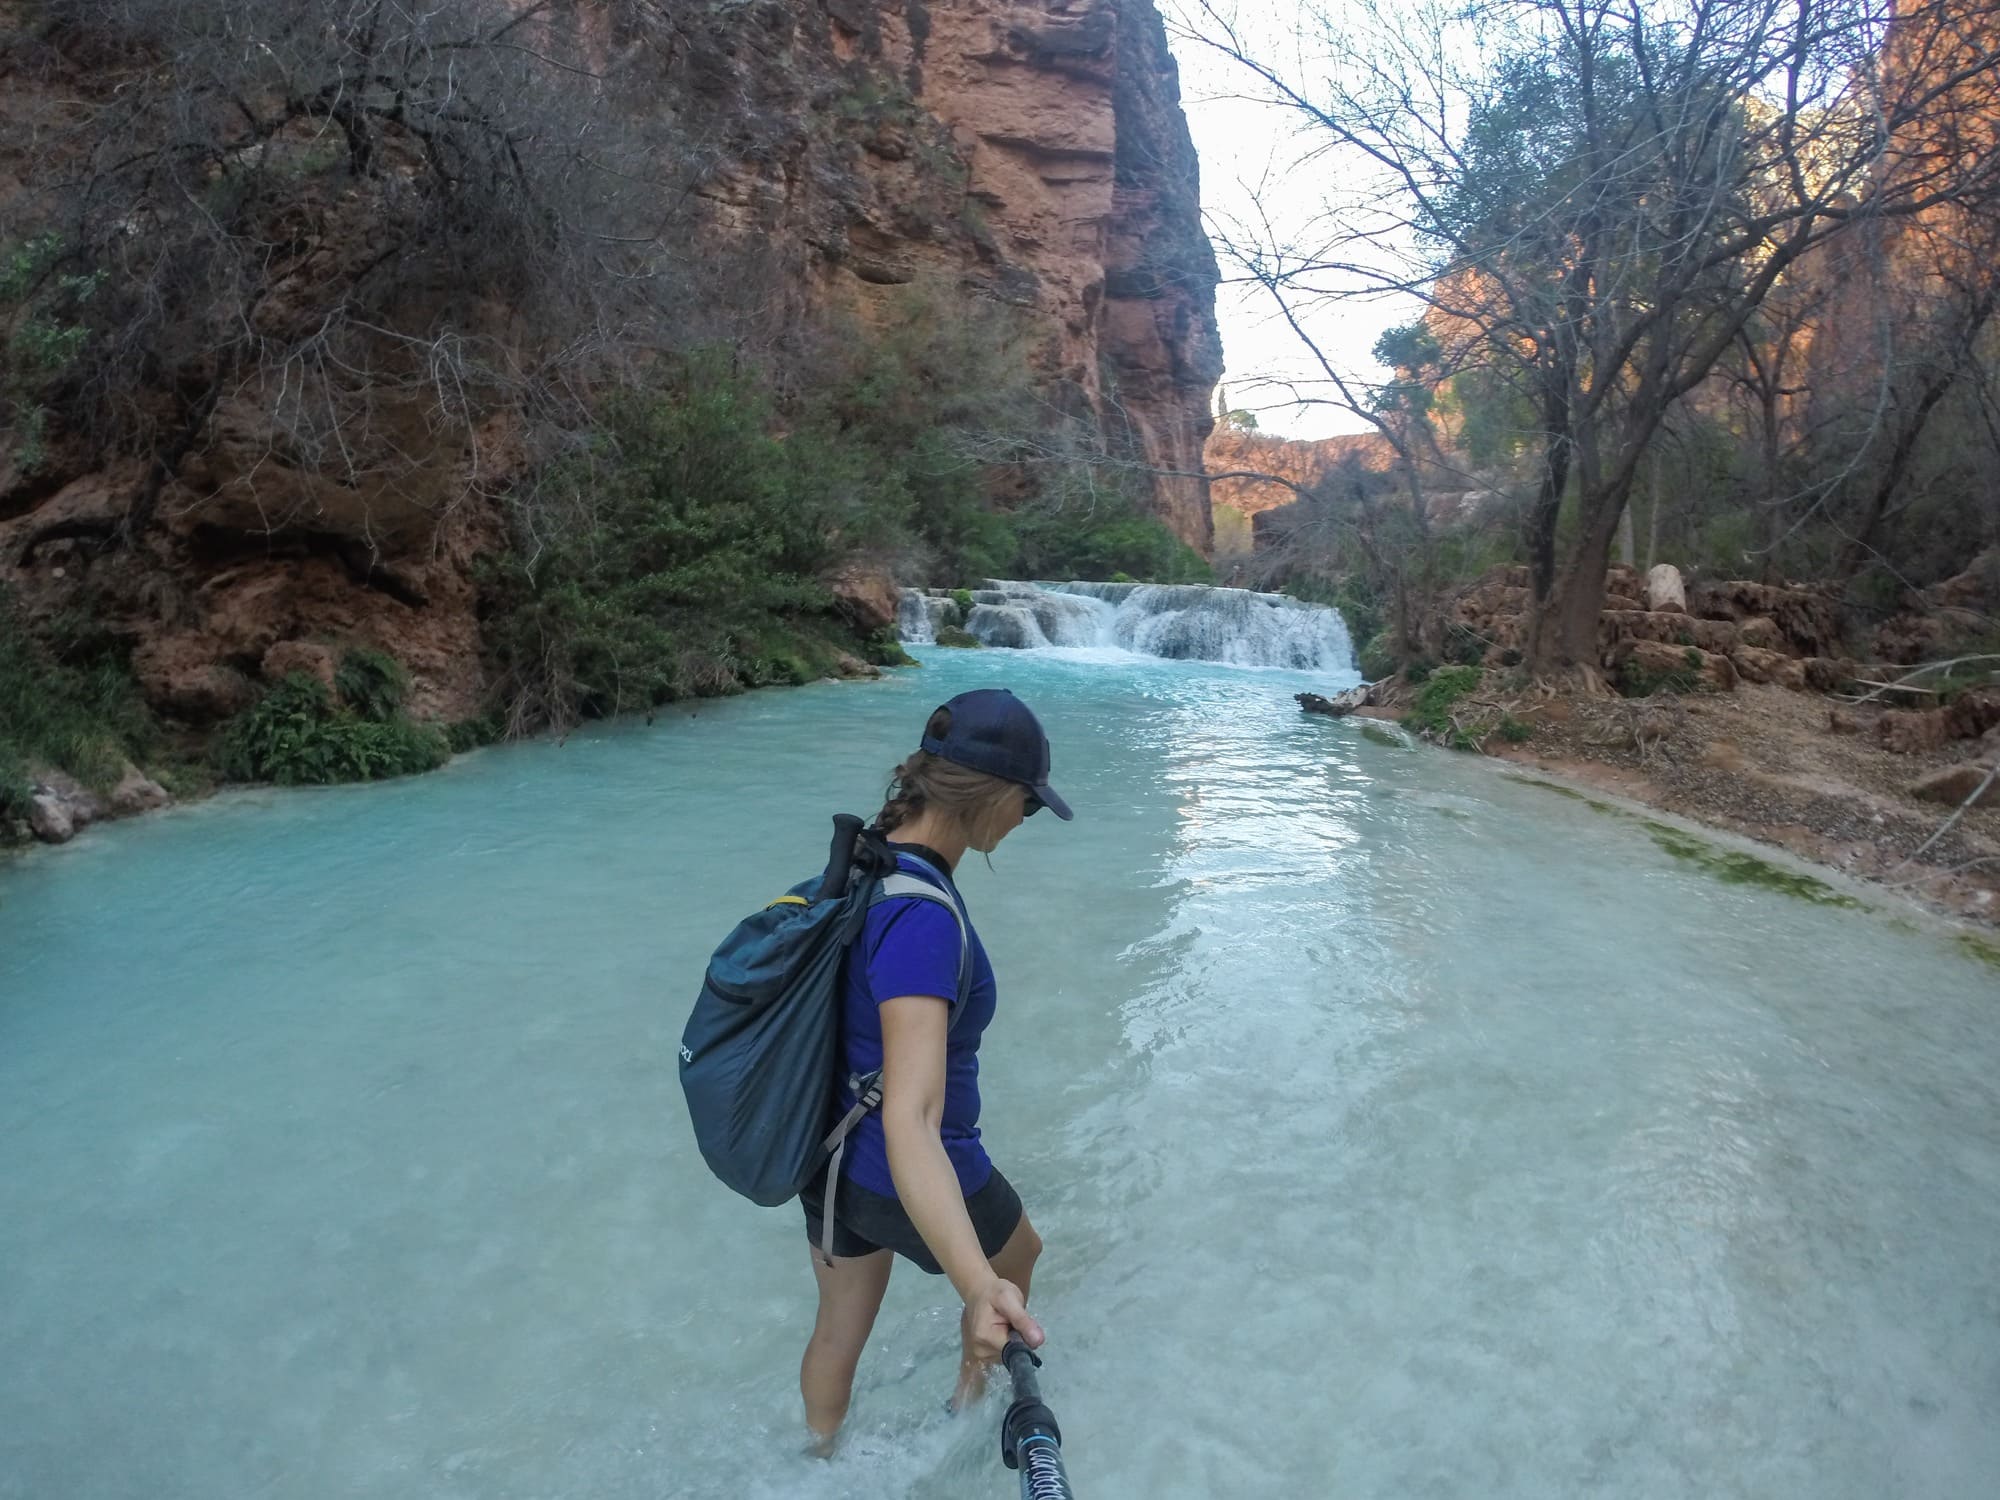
[971,1387]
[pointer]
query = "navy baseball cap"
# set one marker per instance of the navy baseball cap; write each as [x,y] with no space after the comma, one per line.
[995,732]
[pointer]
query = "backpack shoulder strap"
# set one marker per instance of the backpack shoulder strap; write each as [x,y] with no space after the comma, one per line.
[900,884]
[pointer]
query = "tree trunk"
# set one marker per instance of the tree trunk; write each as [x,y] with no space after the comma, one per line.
[1774,512]
[1653,513]
[1542,518]
[1564,631]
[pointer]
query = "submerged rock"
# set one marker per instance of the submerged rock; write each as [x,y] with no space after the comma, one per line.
[1010,626]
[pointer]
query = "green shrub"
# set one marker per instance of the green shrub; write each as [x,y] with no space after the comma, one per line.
[43,332]
[885,649]
[666,558]
[1514,732]
[372,683]
[1107,537]
[781,657]
[1431,713]
[470,734]
[67,702]
[297,735]
[963,599]
[1375,659]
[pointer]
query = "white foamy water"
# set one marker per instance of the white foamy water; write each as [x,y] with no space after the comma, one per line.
[1179,622]
[1395,1128]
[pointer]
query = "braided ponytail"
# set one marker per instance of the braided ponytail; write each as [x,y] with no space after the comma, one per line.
[927,782]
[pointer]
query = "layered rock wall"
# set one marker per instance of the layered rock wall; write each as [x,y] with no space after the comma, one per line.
[1025,153]
[1079,199]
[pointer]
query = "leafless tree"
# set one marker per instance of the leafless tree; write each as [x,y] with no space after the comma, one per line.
[1601,195]
[308,203]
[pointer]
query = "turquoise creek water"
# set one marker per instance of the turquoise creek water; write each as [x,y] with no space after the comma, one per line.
[1397,1129]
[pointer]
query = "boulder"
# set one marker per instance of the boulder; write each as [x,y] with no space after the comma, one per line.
[1967,717]
[851,667]
[1804,617]
[1665,627]
[50,819]
[1826,674]
[1976,589]
[1905,640]
[80,805]
[1622,582]
[1666,666]
[868,596]
[1762,632]
[137,792]
[1722,636]
[1954,784]
[1664,590]
[1005,625]
[1755,664]
[287,657]
[1624,588]
[181,677]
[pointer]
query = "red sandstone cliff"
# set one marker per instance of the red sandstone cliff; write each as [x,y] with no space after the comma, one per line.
[1080,199]
[1300,461]
[1029,152]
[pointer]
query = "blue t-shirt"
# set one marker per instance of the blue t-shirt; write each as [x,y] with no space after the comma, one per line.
[910,946]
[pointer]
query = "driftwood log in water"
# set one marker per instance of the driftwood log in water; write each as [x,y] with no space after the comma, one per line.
[1338,706]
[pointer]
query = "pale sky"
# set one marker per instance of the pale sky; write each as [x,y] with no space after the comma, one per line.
[1249,159]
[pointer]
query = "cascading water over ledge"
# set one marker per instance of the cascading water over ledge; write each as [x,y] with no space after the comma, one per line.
[1181,622]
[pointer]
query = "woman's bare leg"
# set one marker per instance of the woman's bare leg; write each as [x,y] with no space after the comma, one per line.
[850,1294]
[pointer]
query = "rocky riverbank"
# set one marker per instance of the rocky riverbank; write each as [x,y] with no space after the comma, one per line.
[1747,714]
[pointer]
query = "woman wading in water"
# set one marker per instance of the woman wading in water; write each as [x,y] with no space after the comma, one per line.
[916,1180]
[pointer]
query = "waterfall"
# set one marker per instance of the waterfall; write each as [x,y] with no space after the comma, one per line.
[1182,622]
[918,616]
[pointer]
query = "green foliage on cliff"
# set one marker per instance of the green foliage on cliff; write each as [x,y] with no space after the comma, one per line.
[678,548]
[41,334]
[298,733]
[372,683]
[673,555]
[1098,538]
[67,702]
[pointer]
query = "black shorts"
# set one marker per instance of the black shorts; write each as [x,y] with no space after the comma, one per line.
[865,1221]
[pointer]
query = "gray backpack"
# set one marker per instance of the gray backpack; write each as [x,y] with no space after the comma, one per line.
[760,1057]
